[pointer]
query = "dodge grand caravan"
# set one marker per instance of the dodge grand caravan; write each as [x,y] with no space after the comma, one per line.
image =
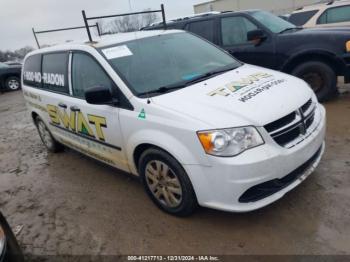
[195,124]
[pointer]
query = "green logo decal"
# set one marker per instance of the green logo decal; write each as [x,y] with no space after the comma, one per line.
[142,114]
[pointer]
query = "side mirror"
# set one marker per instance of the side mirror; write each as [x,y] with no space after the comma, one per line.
[100,95]
[256,36]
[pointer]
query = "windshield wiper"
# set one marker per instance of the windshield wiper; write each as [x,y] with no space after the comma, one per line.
[183,84]
[210,74]
[290,28]
[164,89]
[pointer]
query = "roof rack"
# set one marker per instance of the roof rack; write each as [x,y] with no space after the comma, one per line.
[87,26]
[35,33]
[86,19]
[190,17]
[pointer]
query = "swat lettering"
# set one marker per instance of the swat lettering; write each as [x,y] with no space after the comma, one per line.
[237,85]
[77,122]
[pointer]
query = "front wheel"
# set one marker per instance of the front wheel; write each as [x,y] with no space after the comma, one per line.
[167,183]
[13,83]
[320,77]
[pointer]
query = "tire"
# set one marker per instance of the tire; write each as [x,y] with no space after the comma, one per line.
[45,135]
[320,77]
[13,83]
[173,191]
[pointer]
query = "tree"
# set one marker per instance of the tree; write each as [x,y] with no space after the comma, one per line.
[129,23]
[16,55]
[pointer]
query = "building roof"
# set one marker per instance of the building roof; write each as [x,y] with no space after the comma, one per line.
[207,2]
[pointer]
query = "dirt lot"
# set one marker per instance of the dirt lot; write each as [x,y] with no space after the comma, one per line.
[70,204]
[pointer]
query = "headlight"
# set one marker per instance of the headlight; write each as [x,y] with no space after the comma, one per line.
[231,141]
[2,241]
[348,46]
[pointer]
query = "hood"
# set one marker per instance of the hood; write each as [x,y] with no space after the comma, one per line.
[327,31]
[249,95]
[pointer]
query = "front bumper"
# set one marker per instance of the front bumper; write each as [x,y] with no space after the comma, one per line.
[224,184]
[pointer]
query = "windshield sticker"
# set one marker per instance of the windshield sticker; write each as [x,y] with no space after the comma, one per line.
[190,76]
[142,114]
[117,52]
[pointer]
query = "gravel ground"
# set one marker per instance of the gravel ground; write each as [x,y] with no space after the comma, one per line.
[70,204]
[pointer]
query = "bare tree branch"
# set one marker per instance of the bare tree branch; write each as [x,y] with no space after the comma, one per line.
[128,23]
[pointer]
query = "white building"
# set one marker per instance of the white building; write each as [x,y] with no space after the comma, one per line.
[276,6]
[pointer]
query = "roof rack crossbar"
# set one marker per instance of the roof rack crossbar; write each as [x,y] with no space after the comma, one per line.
[63,29]
[86,19]
[35,33]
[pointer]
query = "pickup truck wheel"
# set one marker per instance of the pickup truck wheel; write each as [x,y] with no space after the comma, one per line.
[50,143]
[13,83]
[320,77]
[167,183]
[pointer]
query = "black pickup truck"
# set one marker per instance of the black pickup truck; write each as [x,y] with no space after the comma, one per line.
[261,38]
[10,76]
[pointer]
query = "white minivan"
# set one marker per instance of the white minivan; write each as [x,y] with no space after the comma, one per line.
[196,125]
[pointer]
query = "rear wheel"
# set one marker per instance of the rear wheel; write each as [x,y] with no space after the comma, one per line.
[167,183]
[320,77]
[13,83]
[50,143]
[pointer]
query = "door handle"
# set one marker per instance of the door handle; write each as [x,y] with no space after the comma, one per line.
[75,109]
[62,105]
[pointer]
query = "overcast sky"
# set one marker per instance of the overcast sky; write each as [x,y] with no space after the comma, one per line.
[17,17]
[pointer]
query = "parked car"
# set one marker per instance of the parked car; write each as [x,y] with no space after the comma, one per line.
[10,77]
[197,126]
[331,14]
[9,248]
[260,38]
[13,63]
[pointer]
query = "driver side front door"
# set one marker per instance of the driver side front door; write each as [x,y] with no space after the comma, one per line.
[233,36]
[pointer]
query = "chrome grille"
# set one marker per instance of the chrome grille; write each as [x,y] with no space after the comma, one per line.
[292,126]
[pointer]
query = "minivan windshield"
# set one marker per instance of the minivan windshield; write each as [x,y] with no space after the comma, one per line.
[163,63]
[272,22]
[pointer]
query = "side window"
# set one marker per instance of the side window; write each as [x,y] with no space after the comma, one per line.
[54,75]
[87,73]
[204,29]
[32,71]
[335,15]
[301,18]
[234,30]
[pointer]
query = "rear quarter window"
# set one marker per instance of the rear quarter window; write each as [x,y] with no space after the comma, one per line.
[55,72]
[32,71]
[302,18]
[204,29]
[335,15]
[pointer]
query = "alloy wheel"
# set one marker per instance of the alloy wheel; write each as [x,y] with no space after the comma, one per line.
[13,84]
[163,183]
